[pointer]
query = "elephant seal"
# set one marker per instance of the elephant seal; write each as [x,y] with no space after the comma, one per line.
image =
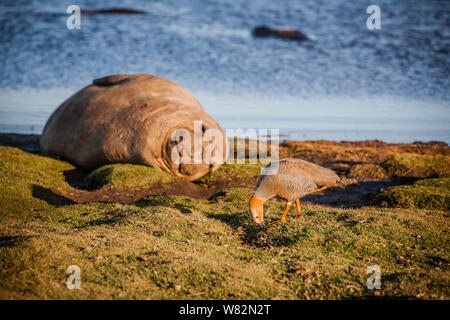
[136,118]
[264,31]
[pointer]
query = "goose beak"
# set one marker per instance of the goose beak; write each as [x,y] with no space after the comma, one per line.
[257,209]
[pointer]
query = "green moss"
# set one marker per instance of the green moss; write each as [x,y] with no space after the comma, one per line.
[237,172]
[427,165]
[233,195]
[442,183]
[13,159]
[128,175]
[25,177]
[431,194]
[367,171]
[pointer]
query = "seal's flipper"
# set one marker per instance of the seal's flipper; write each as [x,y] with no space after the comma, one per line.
[113,79]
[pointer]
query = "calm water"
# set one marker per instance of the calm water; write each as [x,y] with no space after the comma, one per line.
[346,83]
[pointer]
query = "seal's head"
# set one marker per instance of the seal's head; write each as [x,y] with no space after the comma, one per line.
[261,31]
[192,150]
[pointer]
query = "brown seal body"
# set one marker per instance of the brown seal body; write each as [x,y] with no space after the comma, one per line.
[113,11]
[131,119]
[264,31]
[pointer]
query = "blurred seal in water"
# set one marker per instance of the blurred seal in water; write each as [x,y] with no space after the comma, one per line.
[264,31]
[112,11]
[136,118]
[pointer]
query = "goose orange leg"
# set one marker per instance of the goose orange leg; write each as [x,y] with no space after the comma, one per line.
[297,202]
[299,209]
[286,209]
[317,190]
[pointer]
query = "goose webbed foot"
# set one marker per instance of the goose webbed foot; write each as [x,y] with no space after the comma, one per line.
[283,217]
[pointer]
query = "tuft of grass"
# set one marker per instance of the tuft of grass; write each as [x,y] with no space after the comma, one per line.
[347,152]
[25,177]
[232,195]
[128,175]
[442,183]
[246,174]
[367,171]
[424,165]
[425,194]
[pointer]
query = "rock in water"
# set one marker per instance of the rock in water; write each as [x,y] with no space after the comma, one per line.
[133,118]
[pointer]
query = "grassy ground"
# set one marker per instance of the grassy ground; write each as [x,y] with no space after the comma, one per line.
[424,194]
[205,245]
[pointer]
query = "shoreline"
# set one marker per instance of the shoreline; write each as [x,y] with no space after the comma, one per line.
[359,164]
[30,142]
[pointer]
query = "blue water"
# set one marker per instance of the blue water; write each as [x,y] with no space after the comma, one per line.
[347,83]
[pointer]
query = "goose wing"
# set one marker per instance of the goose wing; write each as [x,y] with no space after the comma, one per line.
[300,168]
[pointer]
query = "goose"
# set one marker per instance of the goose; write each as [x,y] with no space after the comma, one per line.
[288,180]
